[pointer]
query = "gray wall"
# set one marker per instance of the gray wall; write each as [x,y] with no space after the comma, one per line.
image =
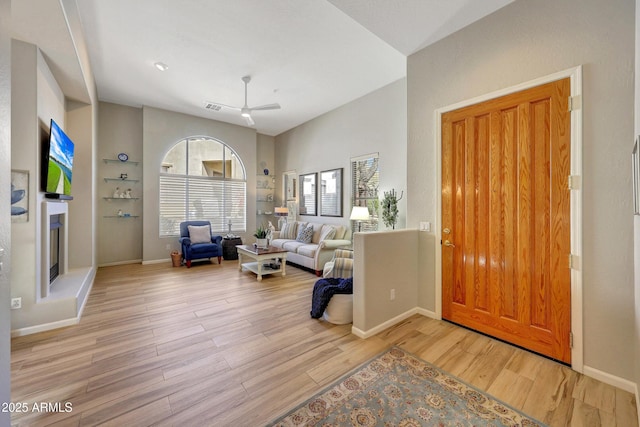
[636,224]
[161,130]
[36,99]
[5,220]
[119,131]
[374,123]
[521,42]
[385,261]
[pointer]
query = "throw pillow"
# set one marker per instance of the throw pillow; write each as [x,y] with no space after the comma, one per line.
[288,231]
[305,234]
[199,234]
[327,233]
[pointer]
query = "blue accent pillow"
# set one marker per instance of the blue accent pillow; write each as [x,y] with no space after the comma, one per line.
[305,234]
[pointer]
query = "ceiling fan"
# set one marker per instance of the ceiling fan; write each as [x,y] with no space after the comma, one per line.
[245,111]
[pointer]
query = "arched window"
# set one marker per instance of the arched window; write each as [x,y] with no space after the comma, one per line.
[202,178]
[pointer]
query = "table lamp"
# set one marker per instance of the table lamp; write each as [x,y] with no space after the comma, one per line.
[282,213]
[359,213]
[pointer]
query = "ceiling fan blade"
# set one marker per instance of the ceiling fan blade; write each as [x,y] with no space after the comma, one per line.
[250,121]
[216,106]
[266,107]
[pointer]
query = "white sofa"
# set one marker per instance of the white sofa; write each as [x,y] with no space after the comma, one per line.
[313,255]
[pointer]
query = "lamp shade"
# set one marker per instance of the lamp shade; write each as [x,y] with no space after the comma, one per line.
[359,213]
[281,211]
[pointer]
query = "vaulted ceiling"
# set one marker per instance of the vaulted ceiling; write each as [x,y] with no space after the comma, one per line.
[309,56]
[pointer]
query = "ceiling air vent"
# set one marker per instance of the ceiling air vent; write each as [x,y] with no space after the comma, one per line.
[212,106]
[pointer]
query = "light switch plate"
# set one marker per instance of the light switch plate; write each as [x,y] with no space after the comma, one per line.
[425,226]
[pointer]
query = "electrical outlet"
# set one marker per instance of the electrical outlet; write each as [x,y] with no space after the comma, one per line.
[392,294]
[16,303]
[425,226]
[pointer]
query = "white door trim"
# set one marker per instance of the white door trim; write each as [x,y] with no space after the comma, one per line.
[575,74]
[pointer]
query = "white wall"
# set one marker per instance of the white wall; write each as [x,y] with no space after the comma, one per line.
[521,42]
[5,220]
[161,130]
[373,123]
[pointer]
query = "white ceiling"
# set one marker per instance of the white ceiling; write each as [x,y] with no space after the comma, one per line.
[310,56]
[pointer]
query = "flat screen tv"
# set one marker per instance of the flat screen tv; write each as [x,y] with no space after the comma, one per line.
[57,164]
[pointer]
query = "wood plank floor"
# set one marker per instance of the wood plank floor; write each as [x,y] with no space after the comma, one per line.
[210,346]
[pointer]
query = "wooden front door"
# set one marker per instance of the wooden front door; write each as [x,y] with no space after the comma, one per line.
[505,218]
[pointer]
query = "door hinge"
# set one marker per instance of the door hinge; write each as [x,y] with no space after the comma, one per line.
[570,339]
[573,182]
[574,262]
[575,103]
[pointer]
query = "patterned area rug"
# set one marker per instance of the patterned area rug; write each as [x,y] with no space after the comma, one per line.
[399,389]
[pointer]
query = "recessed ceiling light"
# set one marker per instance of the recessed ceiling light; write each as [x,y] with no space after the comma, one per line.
[161,66]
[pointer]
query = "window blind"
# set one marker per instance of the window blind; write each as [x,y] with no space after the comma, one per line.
[216,200]
[365,179]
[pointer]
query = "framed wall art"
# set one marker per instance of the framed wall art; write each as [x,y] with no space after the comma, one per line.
[635,167]
[19,196]
[308,194]
[331,192]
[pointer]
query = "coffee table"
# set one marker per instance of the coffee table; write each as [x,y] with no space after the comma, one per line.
[259,256]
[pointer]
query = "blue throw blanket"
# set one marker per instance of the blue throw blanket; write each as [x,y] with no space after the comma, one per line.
[324,289]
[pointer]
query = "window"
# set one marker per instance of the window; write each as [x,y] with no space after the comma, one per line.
[202,179]
[365,180]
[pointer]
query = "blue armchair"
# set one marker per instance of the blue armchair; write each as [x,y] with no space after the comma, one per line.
[201,247]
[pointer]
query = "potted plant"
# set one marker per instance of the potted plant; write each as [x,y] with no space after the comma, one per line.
[390,208]
[261,236]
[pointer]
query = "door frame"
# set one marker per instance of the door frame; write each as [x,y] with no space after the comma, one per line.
[575,76]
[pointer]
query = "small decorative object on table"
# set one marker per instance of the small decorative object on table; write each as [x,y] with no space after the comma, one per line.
[123,176]
[120,212]
[270,230]
[127,194]
[261,237]
[116,193]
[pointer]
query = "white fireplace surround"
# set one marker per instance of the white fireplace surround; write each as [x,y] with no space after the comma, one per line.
[50,209]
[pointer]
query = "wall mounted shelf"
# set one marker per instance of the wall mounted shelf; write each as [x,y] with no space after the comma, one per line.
[120,179]
[128,162]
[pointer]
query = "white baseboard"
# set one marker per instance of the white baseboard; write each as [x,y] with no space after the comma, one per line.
[45,327]
[156,261]
[613,380]
[389,323]
[428,313]
[637,402]
[111,264]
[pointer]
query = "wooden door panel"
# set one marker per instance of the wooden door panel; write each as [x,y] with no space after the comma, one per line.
[505,164]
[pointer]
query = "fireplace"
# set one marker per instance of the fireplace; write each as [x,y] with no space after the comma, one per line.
[54,245]
[55,226]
